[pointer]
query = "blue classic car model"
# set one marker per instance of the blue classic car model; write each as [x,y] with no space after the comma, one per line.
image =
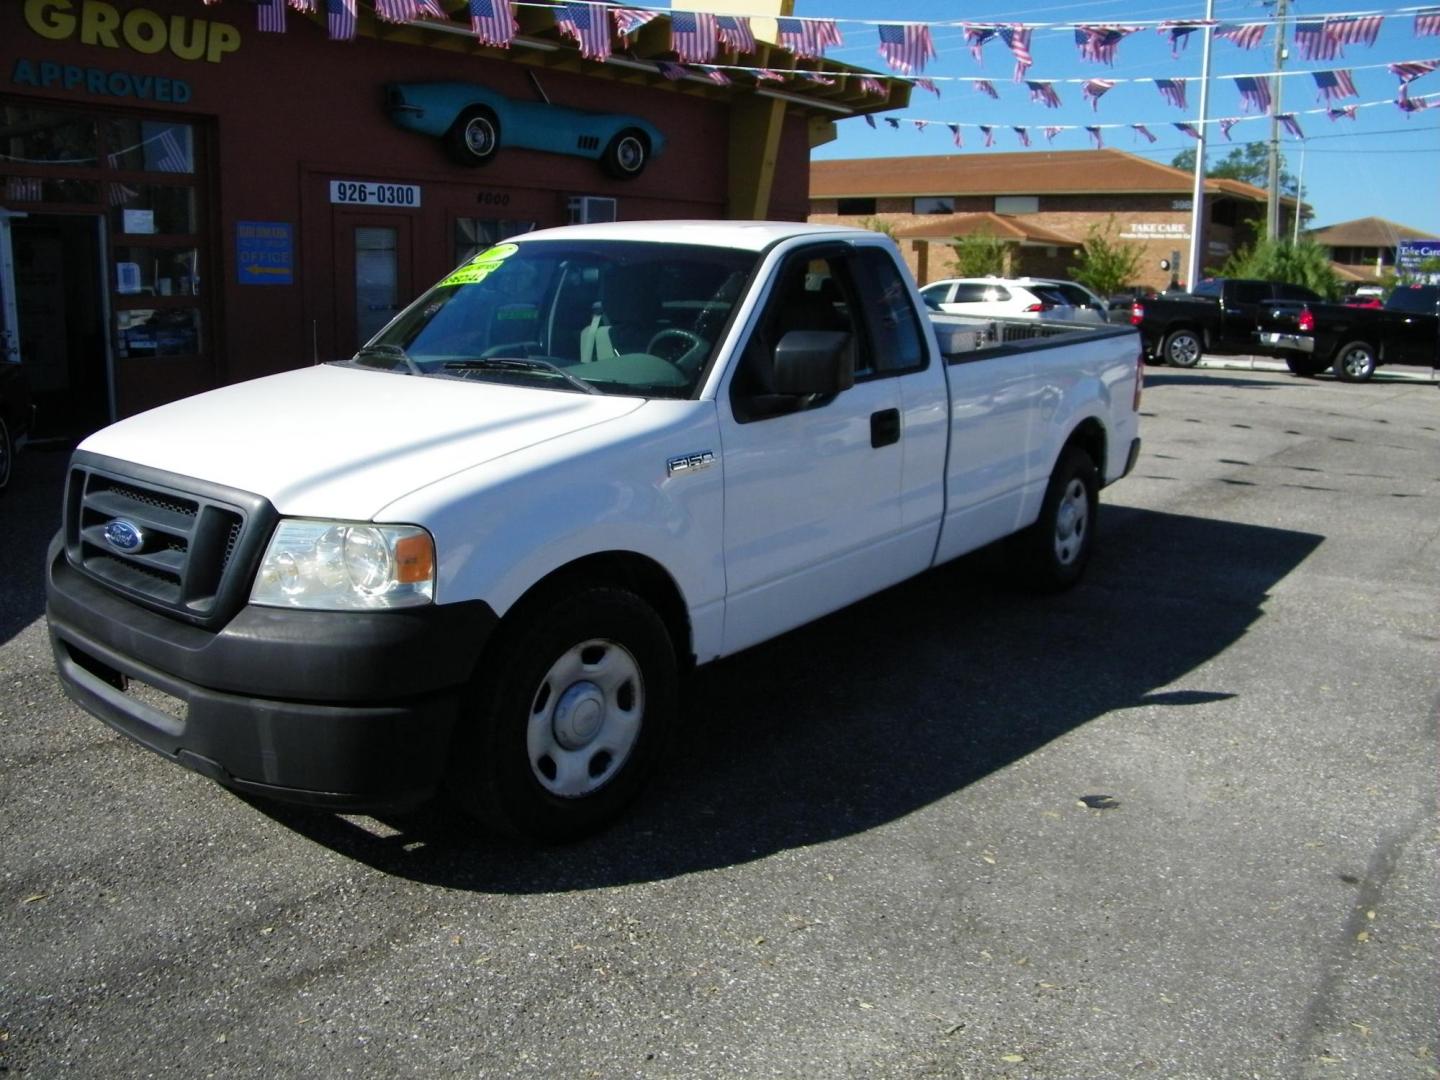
[474,121]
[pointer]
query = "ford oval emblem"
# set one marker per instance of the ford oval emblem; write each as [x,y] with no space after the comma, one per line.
[124,536]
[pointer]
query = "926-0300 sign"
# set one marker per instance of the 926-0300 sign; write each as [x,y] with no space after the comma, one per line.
[364,193]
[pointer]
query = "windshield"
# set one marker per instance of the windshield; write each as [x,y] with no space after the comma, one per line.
[614,317]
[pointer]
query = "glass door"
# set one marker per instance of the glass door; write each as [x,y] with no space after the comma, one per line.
[373,267]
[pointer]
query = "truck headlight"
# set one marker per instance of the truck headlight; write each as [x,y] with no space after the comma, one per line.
[346,566]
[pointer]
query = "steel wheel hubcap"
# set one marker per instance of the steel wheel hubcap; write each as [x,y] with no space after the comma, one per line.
[630,153]
[1071,521]
[479,135]
[585,718]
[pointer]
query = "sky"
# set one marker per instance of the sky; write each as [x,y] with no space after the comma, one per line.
[1385,163]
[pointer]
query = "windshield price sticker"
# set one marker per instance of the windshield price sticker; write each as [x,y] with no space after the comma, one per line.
[364,193]
[481,266]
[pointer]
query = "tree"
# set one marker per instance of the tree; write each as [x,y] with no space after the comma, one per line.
[1305,263]
[1249,162]
[1106,264]
[875,224]
[980,255]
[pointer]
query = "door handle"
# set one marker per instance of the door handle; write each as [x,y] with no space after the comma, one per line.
[884,427]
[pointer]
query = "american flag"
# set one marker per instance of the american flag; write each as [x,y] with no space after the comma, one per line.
[1098,43]
[1226,125]
[976,37]
[673,72]
[399,11]
[24,188]
[1018,40]
[1409,70]
[809,37]
[270,16]
[340,17]
[920,125]
[1172,90]
[1313,42]
[1187,129]
[493,22]
[1334,85]
[766,75]
[1044,92]
[1347,111]
[1353,29]
[718,77]
[587,25]
[305,7]
[1051,132]
[815,77]
[893,122]
[1094,90]
[955,136]
[1024,134]
[1408,104]
[693,36]
[1290,124]
[734,31]
[989,133]
[1180,32]
[906,46]
[1246,35]
[117,194]
[630,20]
[872,87]
[1254,93]
[985,86]
[869,120]
[927,84]
[1427,22]
[172,157]
[1095,137]
[1143,130]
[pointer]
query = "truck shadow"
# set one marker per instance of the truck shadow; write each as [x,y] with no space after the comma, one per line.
[29,517]
[884,708]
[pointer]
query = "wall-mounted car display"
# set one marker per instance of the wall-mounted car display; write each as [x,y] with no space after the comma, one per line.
[474,122]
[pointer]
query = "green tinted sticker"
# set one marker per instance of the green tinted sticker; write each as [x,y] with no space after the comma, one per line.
[481,266]
[496,253]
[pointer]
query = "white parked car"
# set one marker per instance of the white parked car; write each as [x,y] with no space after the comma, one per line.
[1016,298]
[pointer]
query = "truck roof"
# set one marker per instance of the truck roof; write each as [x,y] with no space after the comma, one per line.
[744,235]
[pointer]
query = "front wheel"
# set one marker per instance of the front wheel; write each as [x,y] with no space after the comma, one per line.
[1355,362]
[1182,348]
[572,713]
[1054,551]
[474,138]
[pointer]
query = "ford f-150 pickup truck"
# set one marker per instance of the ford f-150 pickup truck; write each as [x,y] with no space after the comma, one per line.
[1353,341]
[477,556]
[1219,316]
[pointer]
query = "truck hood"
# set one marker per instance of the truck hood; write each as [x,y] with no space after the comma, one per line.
[346,442]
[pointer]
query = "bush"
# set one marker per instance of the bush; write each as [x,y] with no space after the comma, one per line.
[1305,263]
[980,255]
[1106,264]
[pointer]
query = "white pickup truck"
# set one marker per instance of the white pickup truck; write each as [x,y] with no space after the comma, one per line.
[477,556]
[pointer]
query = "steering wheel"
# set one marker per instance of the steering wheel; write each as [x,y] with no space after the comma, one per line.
[680,344]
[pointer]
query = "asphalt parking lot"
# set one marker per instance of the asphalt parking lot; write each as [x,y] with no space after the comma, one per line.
[1179,822]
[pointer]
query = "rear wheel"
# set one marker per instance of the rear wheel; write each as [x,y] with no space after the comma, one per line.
[1355,362]
[570,716]
[627,155]
[1182,348]
[1054,551]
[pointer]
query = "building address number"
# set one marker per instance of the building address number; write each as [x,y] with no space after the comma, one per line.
[362,193]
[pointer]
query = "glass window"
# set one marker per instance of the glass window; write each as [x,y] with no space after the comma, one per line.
[855,206]
[936,292]
[150,209]
[889,313]
[156,271]
[934,204]
[38,136]
[377,290]
[978,292]
[27,189]
[474,235]
[149,146]
[1208,287]
[157,332]
[1017,204]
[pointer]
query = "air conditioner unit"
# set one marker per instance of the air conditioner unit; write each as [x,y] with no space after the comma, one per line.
[585,209]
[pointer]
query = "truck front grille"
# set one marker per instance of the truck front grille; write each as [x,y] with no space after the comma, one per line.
[173,543]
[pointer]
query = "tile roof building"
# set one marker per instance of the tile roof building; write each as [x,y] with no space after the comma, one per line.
[1044,203]
[1363,250]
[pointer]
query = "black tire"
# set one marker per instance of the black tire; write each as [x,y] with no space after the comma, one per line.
[1355,362]
[474,137]
[627,155]
[7,454]
[546,754]
[1182,348]
[1052,553]
[1305,366]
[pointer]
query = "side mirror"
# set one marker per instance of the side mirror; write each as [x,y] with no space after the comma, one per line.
[814,362]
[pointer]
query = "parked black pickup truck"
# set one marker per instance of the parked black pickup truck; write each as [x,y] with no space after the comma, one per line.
[1353,340]
[1218,317]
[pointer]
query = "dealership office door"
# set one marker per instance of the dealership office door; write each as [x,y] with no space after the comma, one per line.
[373,261]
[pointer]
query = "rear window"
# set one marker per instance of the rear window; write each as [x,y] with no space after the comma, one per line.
[979,292]
[1417,298]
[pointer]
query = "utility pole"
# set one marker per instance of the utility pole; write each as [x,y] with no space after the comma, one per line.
[1272,206]
[1199,212]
